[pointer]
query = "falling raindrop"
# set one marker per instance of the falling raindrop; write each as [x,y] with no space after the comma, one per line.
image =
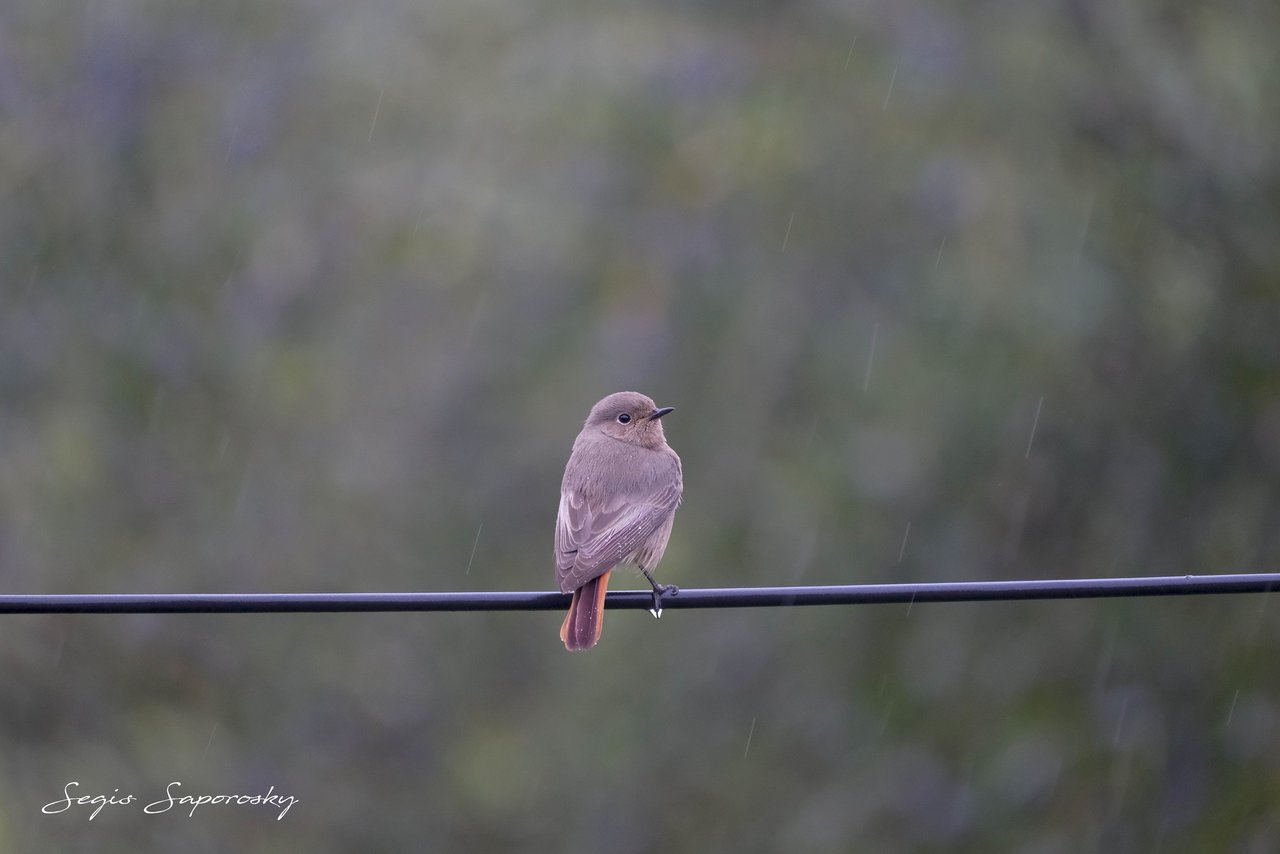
[1084,229]
[377,108]
[1164,830]
[812,431]
[884,721]
[417,223]
[154,411]
[1262,607]
[1104,661]
[231,143]
[1034,424]
[210,741]
[1124,708]
[871,357]
[242,494]
[889,93]
[475,318]
[1056,777]
[473,549]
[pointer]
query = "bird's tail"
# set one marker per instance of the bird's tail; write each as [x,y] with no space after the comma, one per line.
[582,625]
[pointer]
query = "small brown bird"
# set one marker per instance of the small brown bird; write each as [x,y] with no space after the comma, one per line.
[619,495]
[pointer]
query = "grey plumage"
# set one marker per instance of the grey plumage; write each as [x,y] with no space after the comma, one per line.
[618,500]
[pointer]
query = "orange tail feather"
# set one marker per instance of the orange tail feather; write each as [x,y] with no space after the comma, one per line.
[582,625]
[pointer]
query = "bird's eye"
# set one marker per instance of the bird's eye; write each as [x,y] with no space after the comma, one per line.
[624,418]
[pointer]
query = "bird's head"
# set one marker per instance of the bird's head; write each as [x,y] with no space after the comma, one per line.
[630,417]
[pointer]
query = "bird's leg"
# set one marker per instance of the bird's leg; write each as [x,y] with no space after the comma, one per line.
[659,590]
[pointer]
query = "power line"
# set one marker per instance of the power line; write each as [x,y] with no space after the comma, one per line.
[723,597]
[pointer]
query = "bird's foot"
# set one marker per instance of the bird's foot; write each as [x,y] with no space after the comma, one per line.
[660,590]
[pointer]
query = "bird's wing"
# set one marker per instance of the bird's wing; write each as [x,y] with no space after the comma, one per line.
[595,536]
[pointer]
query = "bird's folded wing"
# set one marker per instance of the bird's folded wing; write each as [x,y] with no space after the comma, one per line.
[592,537]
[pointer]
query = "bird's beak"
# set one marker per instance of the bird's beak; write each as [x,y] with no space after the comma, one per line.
[658,413]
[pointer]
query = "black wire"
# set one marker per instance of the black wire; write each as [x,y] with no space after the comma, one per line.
[724,597]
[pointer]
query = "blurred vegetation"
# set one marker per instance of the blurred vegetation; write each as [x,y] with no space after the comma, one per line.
[308,296]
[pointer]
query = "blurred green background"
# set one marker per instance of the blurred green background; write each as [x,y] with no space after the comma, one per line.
[313,296]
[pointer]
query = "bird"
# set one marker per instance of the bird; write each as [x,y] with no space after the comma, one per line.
[618,499]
